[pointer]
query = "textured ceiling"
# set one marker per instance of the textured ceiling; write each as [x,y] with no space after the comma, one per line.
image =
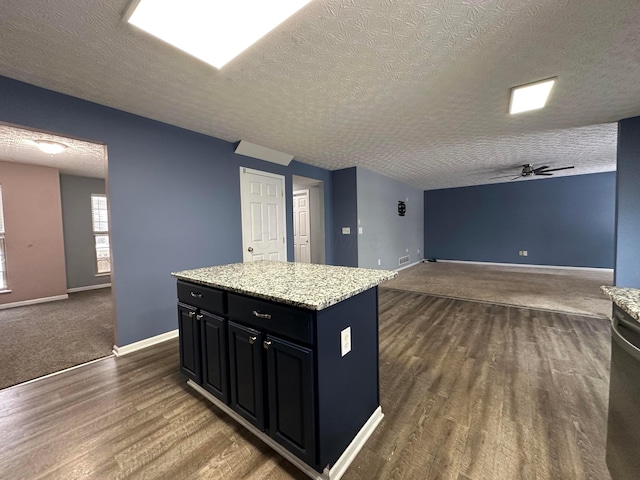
[415,90]
[79,158]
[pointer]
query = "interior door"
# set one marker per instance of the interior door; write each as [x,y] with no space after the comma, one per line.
[264,235]
[301,224]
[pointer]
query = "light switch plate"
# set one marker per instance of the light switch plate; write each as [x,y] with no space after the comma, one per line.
[346,230]
[345,341]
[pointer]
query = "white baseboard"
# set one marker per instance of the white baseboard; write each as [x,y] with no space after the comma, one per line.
[147,342]
[34,301]
[88,287]
[338,468]
[527,265]
[407,266]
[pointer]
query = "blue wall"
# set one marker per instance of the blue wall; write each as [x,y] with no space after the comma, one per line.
[175,198]
[566,221]
[345,214]
[628,204]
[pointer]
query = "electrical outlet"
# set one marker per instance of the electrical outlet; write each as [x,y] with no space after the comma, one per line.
[360,230]
[346,230]
[378,261]
[345,341]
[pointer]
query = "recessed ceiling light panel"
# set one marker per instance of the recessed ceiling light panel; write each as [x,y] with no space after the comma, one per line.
[48,146]
[532,96]
[212,30]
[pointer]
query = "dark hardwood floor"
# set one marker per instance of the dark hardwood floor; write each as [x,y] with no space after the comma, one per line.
[469,391]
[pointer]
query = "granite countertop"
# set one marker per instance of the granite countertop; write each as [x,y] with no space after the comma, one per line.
[626,298]
[304,285]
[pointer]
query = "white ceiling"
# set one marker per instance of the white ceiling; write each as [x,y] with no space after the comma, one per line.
[415,90]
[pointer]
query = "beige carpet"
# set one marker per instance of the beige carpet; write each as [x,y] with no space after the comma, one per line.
[571,291]
[40,339]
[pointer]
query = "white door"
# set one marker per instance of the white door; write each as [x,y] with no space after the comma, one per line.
[301,244]
[264,235]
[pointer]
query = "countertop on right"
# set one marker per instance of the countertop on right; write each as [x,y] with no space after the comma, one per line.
[626,298]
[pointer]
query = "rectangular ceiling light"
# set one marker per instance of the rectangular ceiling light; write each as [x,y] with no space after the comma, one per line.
[214,31]
[531,96]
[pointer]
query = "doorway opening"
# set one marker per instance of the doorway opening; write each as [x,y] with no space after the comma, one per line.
[308,220]
[56,307]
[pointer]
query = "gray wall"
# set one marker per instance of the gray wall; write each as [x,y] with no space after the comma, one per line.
[80,257]
[627,255]
[386,235]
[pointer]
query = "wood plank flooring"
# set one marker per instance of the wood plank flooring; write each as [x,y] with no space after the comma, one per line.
[470,391]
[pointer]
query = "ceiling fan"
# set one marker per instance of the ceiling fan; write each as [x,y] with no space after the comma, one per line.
[528,171]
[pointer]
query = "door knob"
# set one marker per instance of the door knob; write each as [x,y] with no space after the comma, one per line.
[250,249]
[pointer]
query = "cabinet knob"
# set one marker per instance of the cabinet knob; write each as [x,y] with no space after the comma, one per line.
[199,317]
[252,339]
[191,314]
[266,344]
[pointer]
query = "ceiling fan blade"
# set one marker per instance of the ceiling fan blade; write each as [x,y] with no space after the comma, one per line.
[544,173]
[540,168]
[515,178]
[561,168]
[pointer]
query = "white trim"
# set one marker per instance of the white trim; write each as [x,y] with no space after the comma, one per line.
[88,287]
[59,372]
[147,342]
[34,301]
[525,265]
[341,465]
[407,266]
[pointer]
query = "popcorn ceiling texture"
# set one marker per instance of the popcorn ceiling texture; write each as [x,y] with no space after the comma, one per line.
[415,90]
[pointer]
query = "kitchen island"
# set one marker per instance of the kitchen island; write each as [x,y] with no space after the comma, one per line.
[290,351]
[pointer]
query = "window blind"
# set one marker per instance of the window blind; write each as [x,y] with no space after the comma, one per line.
[99,213]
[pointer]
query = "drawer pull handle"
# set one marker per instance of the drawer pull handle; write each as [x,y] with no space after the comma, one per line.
[252,339]
[191,314]
[199,317]
[266,344]
[262,315]
[196,295]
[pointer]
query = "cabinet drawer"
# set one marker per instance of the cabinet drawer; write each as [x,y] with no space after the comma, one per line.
[290,322]
[206,298]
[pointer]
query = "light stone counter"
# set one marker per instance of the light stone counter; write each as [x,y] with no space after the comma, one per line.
[304,285]
[626,298]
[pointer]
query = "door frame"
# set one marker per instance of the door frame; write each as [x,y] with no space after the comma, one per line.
[303,192]
[243,201]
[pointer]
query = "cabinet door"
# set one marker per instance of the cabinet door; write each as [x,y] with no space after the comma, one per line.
[245,366]
[215,378]
[189,335]
[291,397]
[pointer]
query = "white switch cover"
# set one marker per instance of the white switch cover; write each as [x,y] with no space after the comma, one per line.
[360,230]
[346,230]
[345,341]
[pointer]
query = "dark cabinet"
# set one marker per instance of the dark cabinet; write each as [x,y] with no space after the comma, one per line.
[291,394]
[280,370]
[246,368]
[272,387]
[203,338]
[215,369]
[189,335]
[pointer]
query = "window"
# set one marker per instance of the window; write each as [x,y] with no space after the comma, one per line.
[3,263]
[100,221]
